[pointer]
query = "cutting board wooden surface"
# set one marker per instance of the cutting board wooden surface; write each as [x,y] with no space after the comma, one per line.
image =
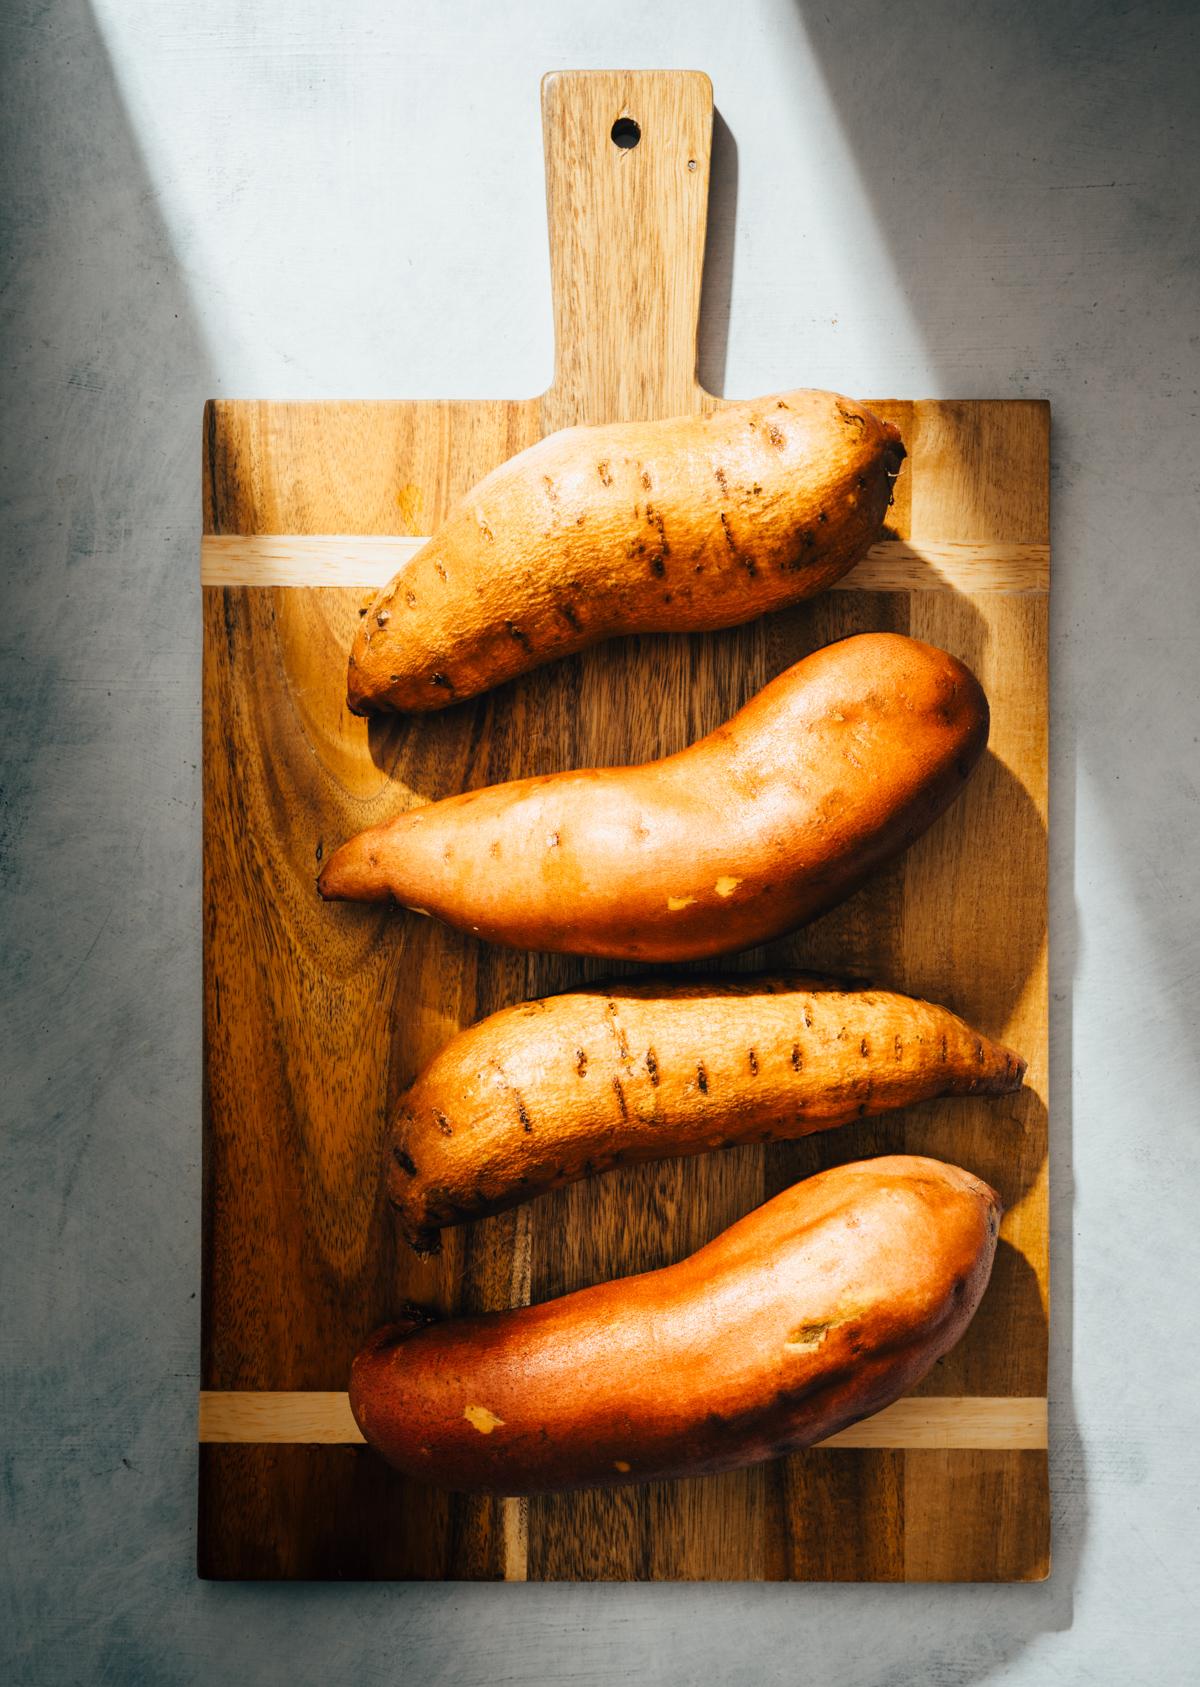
[317,1017]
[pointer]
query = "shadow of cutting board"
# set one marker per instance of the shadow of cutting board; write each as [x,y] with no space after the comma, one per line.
[317,1017]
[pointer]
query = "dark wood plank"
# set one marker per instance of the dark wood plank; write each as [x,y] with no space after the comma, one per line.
[836,1516]
[976,1516]
[296,1513]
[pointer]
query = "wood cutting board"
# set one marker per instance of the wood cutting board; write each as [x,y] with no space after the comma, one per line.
[317,1017]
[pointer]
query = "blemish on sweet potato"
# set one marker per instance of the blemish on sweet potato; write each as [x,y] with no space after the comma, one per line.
[806,1338]
[481,1419]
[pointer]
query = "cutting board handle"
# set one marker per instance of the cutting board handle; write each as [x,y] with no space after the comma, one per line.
[627,156]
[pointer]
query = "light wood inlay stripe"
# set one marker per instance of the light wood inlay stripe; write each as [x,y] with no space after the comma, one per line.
[955,1421]
[250,1415]
[282,559]
[368,562]
[935,565]
[960,1421]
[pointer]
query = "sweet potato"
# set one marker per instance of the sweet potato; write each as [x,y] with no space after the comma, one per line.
[687,524]
[830,772]
[547,1092]
[816,1310]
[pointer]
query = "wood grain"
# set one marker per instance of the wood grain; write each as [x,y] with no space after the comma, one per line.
[248,1415]
[626,243]
[317,1017]
[277,559]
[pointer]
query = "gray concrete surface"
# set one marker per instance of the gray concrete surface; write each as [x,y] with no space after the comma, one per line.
[981,200]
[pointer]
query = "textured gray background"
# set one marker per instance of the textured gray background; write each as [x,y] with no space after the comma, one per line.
[309,200]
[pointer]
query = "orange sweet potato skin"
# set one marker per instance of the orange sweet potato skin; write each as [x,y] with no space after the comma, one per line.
[547,1092]
[818,1309]
[783,812]
[687,524]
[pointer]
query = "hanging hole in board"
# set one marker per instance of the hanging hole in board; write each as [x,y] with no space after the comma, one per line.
[626,133]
